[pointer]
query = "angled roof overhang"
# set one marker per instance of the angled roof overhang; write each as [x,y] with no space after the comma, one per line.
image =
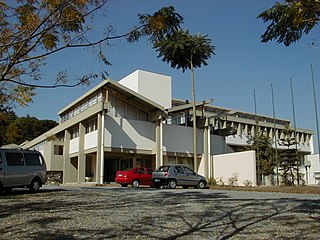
[187,106]
[129,94]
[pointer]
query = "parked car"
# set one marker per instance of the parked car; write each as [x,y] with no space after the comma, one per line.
[21,168]
[136,176]
[177,175]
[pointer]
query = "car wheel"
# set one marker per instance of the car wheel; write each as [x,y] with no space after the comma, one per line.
[201,185]
[124,185]
[172,184]
[35,186]
[135,183]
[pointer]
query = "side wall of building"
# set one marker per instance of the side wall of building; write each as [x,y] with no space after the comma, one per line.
[129,134]
[240,166]
[218,145]
[179,139]
[313,173]
[155,87]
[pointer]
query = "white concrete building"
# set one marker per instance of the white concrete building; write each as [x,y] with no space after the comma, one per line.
[312,169]
[136,122]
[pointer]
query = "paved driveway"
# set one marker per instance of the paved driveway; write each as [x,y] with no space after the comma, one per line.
[127,213]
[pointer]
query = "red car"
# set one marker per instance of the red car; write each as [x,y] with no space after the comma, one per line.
[136,176]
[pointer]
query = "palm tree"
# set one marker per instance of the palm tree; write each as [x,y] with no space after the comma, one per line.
[186,51]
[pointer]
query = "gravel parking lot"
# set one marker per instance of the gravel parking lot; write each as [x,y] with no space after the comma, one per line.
[146,213]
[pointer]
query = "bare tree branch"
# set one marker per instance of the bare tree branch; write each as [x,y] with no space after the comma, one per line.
[31,31]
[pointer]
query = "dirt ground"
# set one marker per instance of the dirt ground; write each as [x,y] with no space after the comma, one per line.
[113,212]
[283,189]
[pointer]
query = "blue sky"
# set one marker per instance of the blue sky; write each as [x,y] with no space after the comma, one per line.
[241,62]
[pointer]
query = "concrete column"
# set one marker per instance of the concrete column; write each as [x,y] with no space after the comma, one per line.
[81,155]
[159,143]
[206,148]
[66,156]
[100,149]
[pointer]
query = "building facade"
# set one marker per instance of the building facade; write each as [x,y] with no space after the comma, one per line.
[135,122]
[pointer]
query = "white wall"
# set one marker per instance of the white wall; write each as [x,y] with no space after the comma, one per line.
[74,145]
[155,87]
[131,134]
[131,81]
[314,171]
[237,139]
[180,139]
[91,140]
[303,147]
[241,164]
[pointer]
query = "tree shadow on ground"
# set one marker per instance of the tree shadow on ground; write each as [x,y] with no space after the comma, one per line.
[95,213]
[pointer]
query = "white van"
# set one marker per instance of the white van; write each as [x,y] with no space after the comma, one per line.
[21,168]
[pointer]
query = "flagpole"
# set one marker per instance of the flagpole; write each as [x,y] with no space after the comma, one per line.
[256,138]
[315,109]
[274,135]
[295,127]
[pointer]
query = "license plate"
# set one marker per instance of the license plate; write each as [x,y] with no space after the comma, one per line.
[157,180]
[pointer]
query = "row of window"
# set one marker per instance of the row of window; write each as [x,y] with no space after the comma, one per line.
[118,108]
[124,164]
[248,129]
[123,109]
[82,107]
[19,159]
[90,126]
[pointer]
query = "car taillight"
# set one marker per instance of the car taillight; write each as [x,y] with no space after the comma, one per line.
[165,174]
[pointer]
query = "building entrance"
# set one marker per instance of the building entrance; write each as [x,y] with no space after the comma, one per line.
[114,164]
[110,169]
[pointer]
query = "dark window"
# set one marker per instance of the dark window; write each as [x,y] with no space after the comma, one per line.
[91,125]
[141,171]
[178,169]
[74,132]
[126,164]
[149,171]
[163,169]
[14,159]
[33,159]
[188,170]
[58,150]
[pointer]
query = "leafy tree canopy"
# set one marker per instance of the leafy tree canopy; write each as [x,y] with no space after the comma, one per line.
[290,20]
[17,130]
[262,144]
[31,30]
[290,157]
[184,51]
